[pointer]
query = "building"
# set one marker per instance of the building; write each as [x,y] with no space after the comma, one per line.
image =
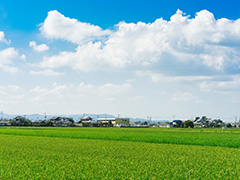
[4,122]
[164,125]
[176,123]
[87,121]
[21,121]
[113,122]
[217,121]
[199,123]
[62,121]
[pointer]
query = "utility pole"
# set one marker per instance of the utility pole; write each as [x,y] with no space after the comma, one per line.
[1,115]
[149,119]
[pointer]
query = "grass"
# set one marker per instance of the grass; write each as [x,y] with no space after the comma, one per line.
[115,153]
[203,137]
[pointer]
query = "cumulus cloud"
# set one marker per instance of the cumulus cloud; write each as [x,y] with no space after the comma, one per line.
[38,48]
[110,88]
[184,43]
[185,97]
[23,57]
[57,91]
[11,94]
[156,77]
[2,38]
[7,55]
[85,87]
[6,59]
[47,72]
[72,91]
[57,26]
[83,59]
[228,85]
[137,98]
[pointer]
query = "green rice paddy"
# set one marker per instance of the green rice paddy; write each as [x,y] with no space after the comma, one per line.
[119,153]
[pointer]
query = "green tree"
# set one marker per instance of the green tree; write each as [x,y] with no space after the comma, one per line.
[71,120]
[196,118]
[204,118]
[188,124]
[229,125]
[206,124]
[48,123]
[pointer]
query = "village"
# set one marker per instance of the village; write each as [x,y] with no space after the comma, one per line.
[87,121]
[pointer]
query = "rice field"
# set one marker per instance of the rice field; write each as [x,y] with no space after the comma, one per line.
[119,153]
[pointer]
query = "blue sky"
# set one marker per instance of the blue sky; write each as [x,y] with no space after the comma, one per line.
[25,16]
[154,58]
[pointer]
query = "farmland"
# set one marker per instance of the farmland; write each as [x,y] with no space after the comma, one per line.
[116,153]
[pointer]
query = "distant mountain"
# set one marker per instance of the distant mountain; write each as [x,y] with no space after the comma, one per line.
[76,117]
[7,116]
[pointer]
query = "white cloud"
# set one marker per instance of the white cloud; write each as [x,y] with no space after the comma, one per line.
[11,94]
[47,72]
[110,88]
[230,85]
[57,26]
[23,57]
[130,80]
[6,60]
[236,99]
[137,98]
[110,99]
[52,94]
[83,59]
[186,97]
[213,61]
[7,55]
[84,87]
[183,42]
[72,91]
[38,48]
[2,38]
[156,77]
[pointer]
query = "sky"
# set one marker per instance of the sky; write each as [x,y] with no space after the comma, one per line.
[161,59]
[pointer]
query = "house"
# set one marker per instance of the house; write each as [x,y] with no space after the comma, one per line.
[217,121]
[203,122]
[139,124]
[87,121]
[62,121]
[113,122]
[199,123]
[21,121]
[39,123]
[176,123]
[164,125]
[237,124]
[3,122]
[86,118]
